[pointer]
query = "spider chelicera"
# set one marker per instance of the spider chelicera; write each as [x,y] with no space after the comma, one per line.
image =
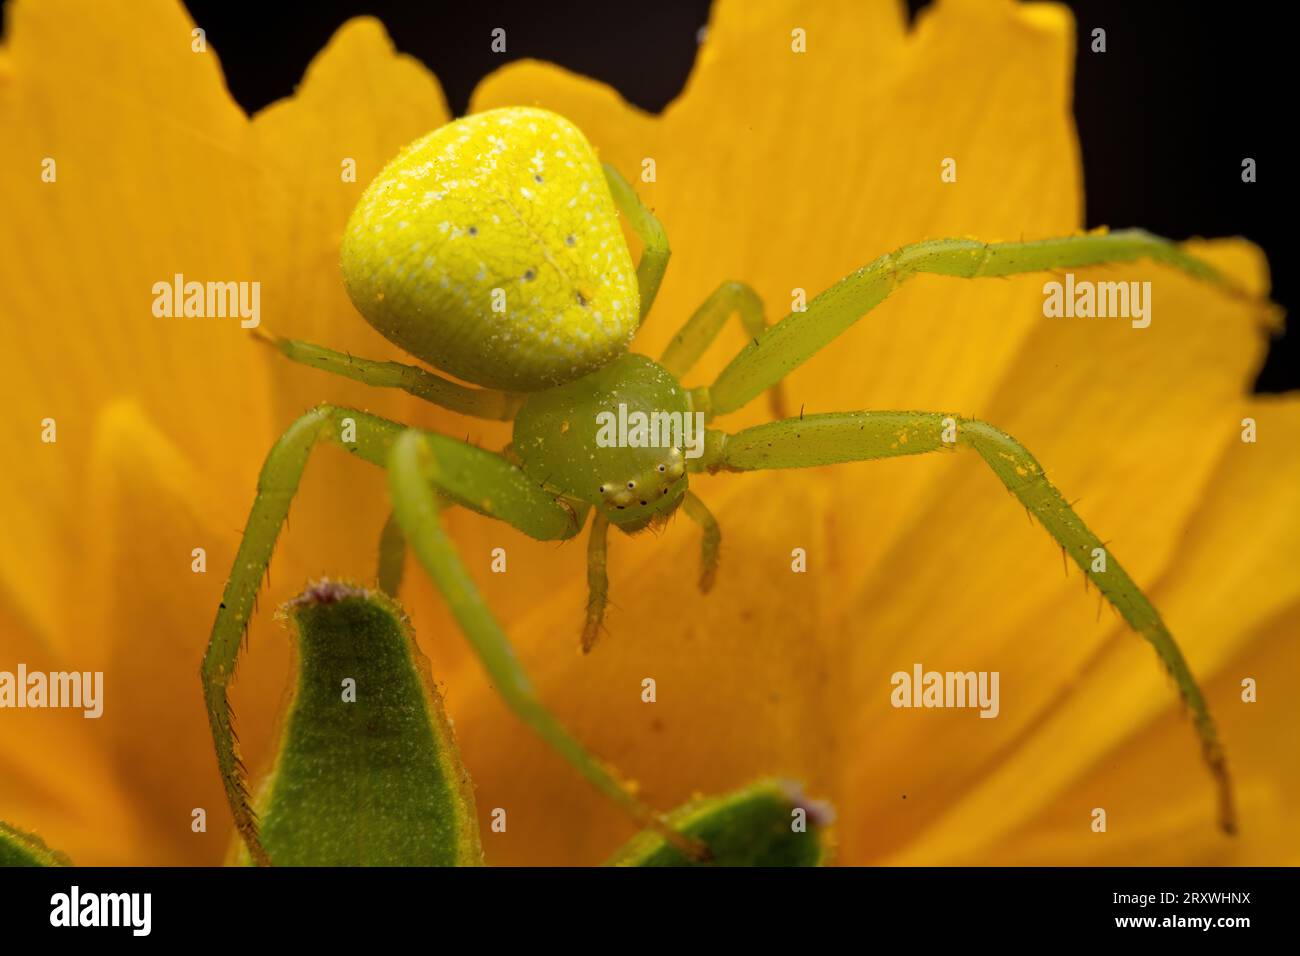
[491,249]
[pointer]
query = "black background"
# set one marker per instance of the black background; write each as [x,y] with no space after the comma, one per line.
[1183,93]
[356,910]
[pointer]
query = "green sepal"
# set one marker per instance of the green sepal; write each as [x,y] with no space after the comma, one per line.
[373,781]
[760,825]
[18,848]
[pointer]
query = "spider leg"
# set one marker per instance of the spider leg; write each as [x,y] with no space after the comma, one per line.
[796,338]
[699,512]
[653,264]
[861,436]
[276,487]
[489,403]
[419,463]
[704,325]
[597,581]
[392,557]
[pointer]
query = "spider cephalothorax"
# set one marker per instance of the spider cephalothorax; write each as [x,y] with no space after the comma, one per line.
[491,249]
[558,438]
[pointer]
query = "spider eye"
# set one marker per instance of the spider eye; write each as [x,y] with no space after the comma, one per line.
[662,469]
[631,484]
[602,489]
[643,503]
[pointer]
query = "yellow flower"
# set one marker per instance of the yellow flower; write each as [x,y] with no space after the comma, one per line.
[784,170]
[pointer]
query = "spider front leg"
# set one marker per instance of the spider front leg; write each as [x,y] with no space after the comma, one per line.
[426,471]
[861,436]
[418,463]
[276,487]
[800,335]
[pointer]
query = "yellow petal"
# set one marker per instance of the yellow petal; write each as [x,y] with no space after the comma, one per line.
[146,148]
[57,779]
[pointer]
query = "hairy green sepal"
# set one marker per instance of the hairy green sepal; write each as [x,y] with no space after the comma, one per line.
[766,824]
[370,778]
[18,848]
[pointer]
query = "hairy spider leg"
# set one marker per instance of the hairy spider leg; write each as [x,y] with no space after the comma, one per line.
[800,335]
[837,438]
[418,464]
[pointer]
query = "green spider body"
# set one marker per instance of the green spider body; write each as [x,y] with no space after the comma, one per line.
[557,439]
[491,249]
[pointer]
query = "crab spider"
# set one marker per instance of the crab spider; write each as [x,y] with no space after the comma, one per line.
[491,250]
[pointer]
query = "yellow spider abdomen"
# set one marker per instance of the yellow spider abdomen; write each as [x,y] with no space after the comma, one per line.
[491,249]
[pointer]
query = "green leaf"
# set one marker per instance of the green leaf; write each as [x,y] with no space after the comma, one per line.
[769,823]
[18,848]
[368,773]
